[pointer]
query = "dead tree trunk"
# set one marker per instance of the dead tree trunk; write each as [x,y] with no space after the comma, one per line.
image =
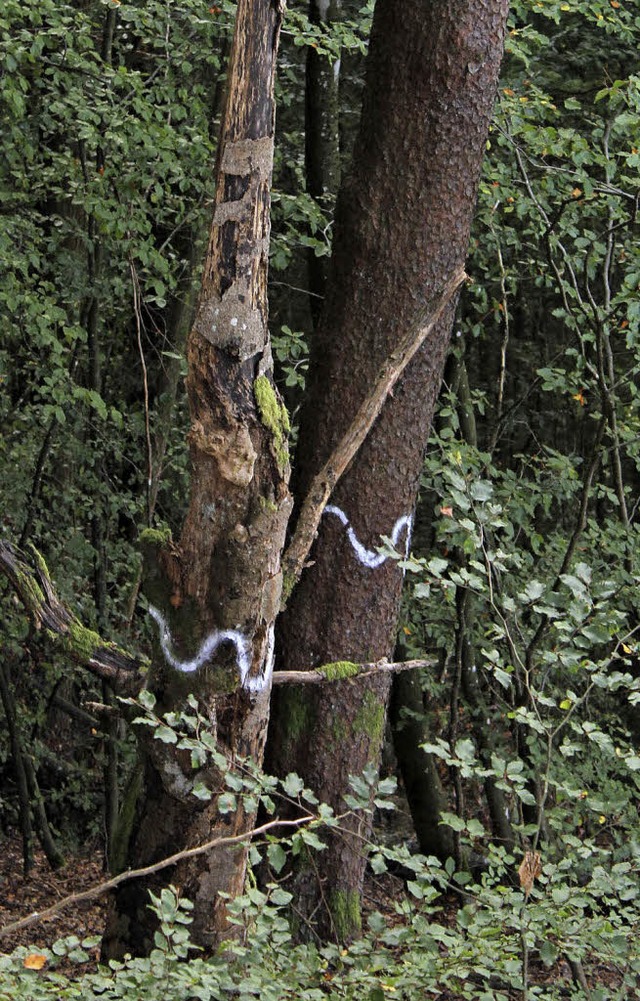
[402,229]
[223,579]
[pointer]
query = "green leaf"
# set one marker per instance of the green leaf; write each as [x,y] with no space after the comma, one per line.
[201,791]
[165,734]
[277,856]
[548,953]
[293,785]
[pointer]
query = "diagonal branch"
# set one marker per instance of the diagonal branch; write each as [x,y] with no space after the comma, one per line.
[325,481]
[98,891]
[27,572]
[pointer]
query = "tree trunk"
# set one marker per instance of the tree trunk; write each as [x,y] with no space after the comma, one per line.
[402,229]
[223,581]
[321,138]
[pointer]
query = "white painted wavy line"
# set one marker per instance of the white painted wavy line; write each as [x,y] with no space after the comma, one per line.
[208,646]
[259,683]
[368,557]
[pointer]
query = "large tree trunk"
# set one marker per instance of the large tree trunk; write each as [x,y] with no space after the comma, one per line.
[223,580]
[402,230]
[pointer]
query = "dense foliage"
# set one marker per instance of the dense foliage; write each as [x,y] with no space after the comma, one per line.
[524,575]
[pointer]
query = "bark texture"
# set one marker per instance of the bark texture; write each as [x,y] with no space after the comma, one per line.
[402,230]
[225,572]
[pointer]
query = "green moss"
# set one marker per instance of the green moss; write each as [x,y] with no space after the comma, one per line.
[27,586]
[298,712]
[345,911]
[155,536]
[30,592]
[82,641]
[274,416]
[370,719]
[340,731]
[338,670]
[268,505]
[289,581]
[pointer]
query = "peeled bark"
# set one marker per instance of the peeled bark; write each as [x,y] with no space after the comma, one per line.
[402,230]
[224,575]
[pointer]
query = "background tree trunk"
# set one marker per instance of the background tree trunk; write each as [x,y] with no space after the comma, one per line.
[402,230]
[322,138]
[225,573]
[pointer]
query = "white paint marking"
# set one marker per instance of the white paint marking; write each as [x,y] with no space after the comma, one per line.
[208,646]
[368,557]
[259,683]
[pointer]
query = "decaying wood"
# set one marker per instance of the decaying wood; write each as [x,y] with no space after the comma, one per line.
[325,481]
[28,574]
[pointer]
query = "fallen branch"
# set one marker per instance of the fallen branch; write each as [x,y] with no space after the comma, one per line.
[325,676]
[325,481]
[30,578]
[98,891]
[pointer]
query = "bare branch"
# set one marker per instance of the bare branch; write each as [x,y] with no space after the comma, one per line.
[319,677]
[98,891]
[325,481]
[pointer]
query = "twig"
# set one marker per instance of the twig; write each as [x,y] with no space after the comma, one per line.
[98,891]
[317,677]
[325,481]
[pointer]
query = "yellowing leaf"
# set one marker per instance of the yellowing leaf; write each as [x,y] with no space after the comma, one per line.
[577,192]
[34,961]
[565,704]
[530,869]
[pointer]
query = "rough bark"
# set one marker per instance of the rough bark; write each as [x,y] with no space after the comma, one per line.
[402,229]
[224,575]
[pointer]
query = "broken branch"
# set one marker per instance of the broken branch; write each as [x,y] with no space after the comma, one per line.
[30,578]
[322,676]
[325,481]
